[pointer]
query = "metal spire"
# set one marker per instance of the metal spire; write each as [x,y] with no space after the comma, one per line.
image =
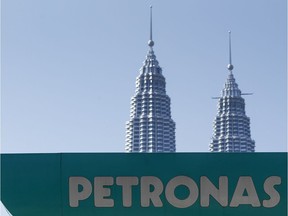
[230,66]
[151,42]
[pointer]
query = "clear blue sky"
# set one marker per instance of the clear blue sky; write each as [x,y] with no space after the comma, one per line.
[69,69]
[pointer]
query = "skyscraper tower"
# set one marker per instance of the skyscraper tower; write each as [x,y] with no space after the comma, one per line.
[231,125]
[150,128]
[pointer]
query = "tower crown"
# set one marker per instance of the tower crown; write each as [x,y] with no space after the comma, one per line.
[231,87]
[150,128]
[231,125]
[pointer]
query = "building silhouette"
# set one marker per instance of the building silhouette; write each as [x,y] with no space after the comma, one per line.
[231,125]
[150,128]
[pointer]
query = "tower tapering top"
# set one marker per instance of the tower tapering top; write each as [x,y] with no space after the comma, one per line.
[151,42]
[230,66]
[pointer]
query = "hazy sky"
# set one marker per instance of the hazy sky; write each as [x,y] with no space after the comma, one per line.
[69,69]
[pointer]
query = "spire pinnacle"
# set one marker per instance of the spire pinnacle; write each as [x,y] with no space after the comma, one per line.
[230,66]
[151,42]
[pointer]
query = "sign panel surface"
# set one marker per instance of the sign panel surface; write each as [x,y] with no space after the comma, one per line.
[145,184]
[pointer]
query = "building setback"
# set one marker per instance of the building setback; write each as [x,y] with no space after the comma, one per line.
[150,128]
[231,125]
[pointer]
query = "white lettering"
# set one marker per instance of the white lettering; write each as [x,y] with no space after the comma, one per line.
[101,192]
[207,189]
[270,190]
[173,184]
[146,194]
[152,192]
[74,194]
[127,183]
[245,183]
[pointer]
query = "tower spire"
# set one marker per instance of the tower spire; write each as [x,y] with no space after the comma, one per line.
[151,42]
[230,66]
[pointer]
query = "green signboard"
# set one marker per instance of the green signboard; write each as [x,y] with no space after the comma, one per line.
[112,184]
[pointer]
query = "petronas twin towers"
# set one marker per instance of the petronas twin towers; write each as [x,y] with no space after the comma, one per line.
[151,128]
